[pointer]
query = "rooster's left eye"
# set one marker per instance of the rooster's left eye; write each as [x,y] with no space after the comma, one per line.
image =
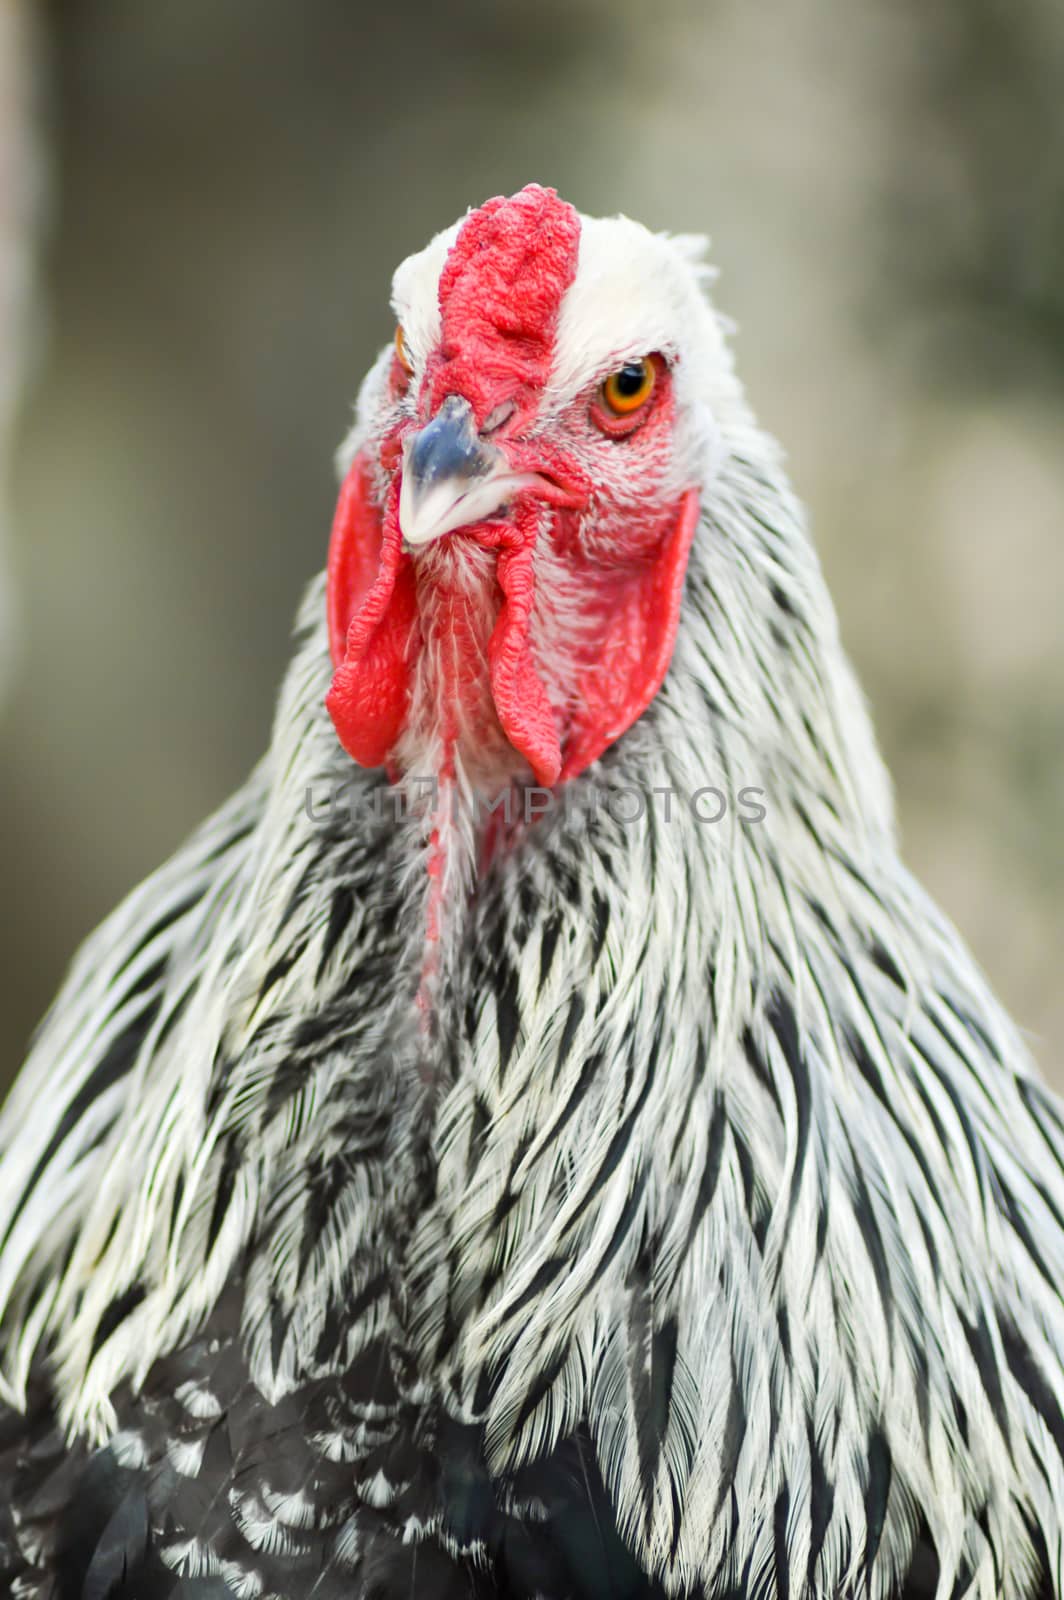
[630,387]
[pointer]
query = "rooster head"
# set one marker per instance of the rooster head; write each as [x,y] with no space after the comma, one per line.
[520,495]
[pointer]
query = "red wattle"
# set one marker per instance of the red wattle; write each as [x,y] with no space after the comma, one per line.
[524,711]
[630,642]
[372,615]
[630,634]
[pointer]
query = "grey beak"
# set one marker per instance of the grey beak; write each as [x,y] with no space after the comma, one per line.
[452,477]
[449,447]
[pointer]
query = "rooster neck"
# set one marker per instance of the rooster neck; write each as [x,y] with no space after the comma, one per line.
[452,753]
[712,1122]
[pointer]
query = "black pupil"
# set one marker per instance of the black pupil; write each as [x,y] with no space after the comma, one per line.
[631,378]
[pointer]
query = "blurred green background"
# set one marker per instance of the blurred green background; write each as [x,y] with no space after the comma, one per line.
[216,195]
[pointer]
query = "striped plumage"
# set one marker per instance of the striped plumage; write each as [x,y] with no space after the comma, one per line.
[705,1234]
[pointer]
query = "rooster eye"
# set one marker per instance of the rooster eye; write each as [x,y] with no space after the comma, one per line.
[400,351]
[630,387]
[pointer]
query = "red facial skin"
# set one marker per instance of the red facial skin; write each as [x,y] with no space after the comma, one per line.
[518,684]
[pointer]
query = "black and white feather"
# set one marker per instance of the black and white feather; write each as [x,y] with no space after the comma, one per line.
[710,1243]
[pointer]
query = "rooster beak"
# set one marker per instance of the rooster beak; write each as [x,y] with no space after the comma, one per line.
[452,476]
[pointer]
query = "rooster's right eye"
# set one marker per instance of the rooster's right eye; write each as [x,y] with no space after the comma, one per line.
[400,351]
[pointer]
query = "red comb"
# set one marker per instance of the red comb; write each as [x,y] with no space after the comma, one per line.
[500,295]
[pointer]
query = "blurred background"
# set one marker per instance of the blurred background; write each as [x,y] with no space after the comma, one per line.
[200,208]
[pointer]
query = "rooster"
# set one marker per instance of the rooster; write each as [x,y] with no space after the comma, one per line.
[536,1140]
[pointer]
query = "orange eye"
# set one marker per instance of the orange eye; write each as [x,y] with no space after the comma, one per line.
[400,351]
[630,387]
